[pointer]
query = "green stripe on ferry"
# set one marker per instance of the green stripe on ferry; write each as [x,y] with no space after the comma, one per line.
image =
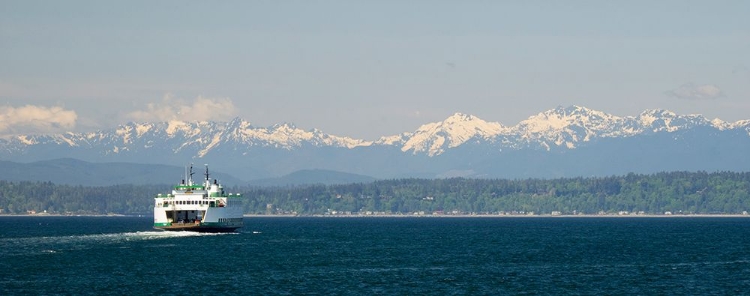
[213,223]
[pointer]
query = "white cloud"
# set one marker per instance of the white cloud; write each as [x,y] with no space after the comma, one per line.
[200,109]
[691,91]
[36,119]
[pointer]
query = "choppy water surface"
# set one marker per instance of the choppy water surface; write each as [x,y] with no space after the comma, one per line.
[123,255]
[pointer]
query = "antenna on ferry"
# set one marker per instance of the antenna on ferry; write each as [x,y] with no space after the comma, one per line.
[191,175]
[206,172]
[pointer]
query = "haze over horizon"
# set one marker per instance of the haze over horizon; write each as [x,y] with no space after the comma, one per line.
[365,69]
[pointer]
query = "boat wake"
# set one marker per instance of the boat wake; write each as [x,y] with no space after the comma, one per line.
[170,234]
[56,244]
[140,235]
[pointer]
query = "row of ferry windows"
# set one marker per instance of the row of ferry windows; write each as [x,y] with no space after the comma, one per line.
[187,202]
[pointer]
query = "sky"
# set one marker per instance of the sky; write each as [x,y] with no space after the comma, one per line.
[365,69]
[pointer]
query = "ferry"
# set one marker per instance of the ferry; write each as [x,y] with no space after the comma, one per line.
[198,207]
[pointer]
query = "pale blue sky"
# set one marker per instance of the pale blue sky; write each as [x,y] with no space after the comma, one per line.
[365,69]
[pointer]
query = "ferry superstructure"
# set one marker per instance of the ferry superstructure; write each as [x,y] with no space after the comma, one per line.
[198,207]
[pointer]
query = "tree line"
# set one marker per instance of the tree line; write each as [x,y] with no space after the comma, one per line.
[673,192]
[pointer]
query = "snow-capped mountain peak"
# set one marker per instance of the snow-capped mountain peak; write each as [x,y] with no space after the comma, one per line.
[658,120]
[567,127]
[434,138]
[562,118]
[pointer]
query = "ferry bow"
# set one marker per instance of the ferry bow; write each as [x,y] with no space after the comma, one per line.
[198,207]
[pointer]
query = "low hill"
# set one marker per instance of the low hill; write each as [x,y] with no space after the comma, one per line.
[76,172]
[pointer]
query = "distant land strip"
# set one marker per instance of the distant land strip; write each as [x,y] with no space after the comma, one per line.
[667,193]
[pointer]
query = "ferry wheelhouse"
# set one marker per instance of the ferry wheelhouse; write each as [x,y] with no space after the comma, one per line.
[198,207]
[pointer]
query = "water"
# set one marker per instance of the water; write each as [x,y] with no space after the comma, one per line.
[355,256]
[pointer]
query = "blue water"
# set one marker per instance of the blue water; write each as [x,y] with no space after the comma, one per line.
[355,256]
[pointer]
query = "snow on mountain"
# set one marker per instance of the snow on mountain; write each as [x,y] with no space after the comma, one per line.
[26,140]
[742,124]
[201,137]
[394,140]
[562,127]
[667,121]
[288,136]
[435,138]
[559,128]
[567,127]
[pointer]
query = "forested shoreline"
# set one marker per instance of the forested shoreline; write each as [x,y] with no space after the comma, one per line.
[668,192]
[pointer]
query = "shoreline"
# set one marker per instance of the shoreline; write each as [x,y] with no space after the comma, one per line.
[65,215]
[419,216]
[504,216]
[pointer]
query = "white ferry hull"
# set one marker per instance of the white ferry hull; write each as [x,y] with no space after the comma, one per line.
[212,220]
[200,208]
[198,228]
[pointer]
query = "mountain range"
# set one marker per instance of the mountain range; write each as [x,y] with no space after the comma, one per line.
[562,142]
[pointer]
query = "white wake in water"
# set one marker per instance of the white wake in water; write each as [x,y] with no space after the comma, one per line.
[55,244]
[168,234]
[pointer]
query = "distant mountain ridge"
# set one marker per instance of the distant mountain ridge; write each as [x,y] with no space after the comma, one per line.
[556,143]
[77,172]
[557,128]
